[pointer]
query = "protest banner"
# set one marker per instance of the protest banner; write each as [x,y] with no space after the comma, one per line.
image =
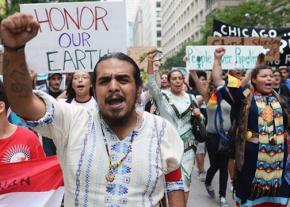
[271,43]
[221,29]
[235,57]
[73,36]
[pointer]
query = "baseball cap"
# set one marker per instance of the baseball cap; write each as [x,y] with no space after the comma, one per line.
[53,74]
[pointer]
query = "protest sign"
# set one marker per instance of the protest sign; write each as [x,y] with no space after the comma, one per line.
[73,36]
[235,57]
[271,43]
[221,29]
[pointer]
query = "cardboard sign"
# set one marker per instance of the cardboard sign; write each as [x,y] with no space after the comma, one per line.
[221,29]
[235,57]
[73,36]
[271,43]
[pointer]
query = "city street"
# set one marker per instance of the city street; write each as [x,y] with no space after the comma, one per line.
[198,196]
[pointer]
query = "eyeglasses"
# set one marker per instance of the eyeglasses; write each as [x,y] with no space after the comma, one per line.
[81,77]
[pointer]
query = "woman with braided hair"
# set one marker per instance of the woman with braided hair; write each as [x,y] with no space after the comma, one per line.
[260,137]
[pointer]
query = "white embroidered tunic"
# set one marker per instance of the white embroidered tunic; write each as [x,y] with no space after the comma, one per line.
[139,181]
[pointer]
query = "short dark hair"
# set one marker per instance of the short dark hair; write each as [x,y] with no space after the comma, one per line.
[3,96]
[123,57]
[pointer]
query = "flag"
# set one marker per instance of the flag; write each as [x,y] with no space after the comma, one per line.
[233,82]
[33,183]
[212,102]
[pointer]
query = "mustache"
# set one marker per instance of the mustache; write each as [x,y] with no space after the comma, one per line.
[114,96]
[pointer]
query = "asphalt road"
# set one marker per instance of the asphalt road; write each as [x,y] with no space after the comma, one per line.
[198,196]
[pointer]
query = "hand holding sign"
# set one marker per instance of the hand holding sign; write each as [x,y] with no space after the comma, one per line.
[18,29]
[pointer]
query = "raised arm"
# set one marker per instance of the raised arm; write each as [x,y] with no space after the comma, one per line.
[16,31]
[150,64]
[217,67]
[200,88]
[153,87]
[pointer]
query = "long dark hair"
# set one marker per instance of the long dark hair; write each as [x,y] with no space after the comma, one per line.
[256,71]
[123,57]
[70,92]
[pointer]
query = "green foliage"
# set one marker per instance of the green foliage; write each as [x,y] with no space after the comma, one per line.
[253,13]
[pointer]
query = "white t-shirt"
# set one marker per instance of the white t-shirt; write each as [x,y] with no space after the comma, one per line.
[90,105]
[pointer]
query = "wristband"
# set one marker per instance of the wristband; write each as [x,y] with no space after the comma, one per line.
[16,49]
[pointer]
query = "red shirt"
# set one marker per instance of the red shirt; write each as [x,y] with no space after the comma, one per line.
[22,145]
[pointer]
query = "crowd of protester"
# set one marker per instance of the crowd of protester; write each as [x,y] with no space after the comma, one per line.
[246,114]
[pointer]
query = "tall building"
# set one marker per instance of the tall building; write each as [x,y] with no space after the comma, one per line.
[182,21]
[147,25]
[131,7]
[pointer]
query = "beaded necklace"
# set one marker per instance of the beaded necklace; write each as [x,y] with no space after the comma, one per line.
[110,176]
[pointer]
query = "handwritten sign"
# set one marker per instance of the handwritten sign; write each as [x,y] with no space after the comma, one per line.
[271,43]
[236,57]
[73,36]
[222,29]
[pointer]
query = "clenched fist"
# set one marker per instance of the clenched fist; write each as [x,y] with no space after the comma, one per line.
[18,29]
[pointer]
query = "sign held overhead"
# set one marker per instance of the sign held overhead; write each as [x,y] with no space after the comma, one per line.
[235,57]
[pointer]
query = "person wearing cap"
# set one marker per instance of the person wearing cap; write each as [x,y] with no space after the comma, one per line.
[54,83]
[285,76]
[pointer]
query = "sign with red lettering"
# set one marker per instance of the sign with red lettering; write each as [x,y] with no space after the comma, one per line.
[73,36]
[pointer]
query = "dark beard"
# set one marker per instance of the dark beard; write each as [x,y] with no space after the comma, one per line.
[116,121]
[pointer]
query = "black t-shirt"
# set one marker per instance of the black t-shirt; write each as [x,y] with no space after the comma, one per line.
[54,94]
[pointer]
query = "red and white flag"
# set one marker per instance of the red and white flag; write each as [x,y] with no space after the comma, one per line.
[34,183]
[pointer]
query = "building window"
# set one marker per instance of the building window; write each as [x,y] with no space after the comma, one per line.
[158,33]
[158,14]
[158,4]
[158,43]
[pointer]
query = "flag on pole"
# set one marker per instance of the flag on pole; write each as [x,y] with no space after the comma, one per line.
[33,183]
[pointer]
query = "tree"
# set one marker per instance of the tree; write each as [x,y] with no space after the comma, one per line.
[267,13]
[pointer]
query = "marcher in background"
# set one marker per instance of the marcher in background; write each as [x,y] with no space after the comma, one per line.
[115,157]
[280,88]
[54,83]
[164,81]
[175,105]
[200,149]
[80,91]
[260,137]
[17,143]
[217,156]
[284,71]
